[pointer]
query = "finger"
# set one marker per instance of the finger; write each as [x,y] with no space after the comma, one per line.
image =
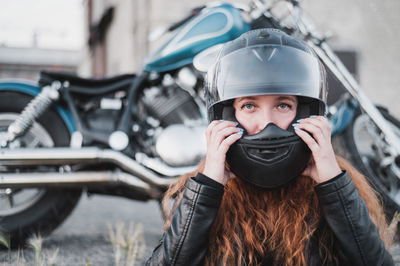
[210,127]
[221,125]
[320,122]
[219,136]
[310,141]
[228,141]
[224,123]
[323,123]
[315,131]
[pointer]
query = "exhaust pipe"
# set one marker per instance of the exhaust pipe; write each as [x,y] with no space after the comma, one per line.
[75,179]
[89,155]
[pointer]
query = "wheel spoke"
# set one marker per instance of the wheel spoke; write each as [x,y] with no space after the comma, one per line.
[10,196]
[10,200]
[34,143]
[54,204]
[16,201]
[373,152]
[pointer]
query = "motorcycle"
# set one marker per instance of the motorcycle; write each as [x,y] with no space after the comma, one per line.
[133,135]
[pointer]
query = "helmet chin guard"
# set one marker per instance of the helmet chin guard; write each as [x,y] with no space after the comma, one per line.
[269,159]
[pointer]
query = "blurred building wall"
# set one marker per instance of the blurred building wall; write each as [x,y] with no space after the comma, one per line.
[369,27]
[26,63]
[372,27]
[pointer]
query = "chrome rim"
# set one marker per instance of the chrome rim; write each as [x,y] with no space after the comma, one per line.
[373,153]
[18,200]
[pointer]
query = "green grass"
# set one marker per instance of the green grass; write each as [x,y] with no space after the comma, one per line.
[42,258]
[4,242]
[127,242]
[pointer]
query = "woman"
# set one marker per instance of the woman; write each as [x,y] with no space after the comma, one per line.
[270,190]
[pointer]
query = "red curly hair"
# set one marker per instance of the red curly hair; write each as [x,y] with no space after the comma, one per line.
[253,223]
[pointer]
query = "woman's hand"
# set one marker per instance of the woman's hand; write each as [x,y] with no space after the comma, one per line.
[220,136]
[315,131]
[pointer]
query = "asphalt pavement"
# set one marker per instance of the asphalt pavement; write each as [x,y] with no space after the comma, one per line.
[84,238]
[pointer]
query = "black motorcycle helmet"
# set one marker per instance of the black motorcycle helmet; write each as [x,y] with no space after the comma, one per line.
[266,62]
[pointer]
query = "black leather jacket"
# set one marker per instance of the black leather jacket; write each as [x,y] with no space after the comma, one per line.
[186,241]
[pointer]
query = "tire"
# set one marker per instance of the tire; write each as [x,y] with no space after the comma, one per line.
[358,143]
[43,209]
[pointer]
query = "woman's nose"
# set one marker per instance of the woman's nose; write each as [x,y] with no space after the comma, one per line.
[264,120]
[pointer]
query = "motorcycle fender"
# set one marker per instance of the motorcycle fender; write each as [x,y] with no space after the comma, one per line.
[343,117]
[30,88]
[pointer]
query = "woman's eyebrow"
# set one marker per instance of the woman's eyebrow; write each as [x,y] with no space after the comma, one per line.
[287,98]
[246,98]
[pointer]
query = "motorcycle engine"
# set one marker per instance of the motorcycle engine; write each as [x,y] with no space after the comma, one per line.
[180,145]
[171,105]
[181,140]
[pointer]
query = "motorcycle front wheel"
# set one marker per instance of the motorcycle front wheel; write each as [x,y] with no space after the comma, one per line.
[363,146]
[33,211]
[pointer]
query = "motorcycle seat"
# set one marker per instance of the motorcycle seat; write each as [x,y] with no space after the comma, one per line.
[47,77]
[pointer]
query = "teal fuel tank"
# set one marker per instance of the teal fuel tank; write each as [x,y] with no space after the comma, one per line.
[213,25]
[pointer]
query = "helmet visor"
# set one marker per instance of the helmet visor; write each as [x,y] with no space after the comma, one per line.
[266,69]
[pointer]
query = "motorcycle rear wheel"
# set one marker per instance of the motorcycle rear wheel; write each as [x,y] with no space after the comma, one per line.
[359,143]
[33,211]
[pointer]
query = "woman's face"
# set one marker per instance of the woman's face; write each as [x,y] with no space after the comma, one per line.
[254,113]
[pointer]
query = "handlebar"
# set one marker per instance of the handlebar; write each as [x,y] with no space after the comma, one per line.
[305,30]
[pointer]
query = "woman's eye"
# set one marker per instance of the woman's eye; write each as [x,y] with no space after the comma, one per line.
[284,106]
[248,106]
